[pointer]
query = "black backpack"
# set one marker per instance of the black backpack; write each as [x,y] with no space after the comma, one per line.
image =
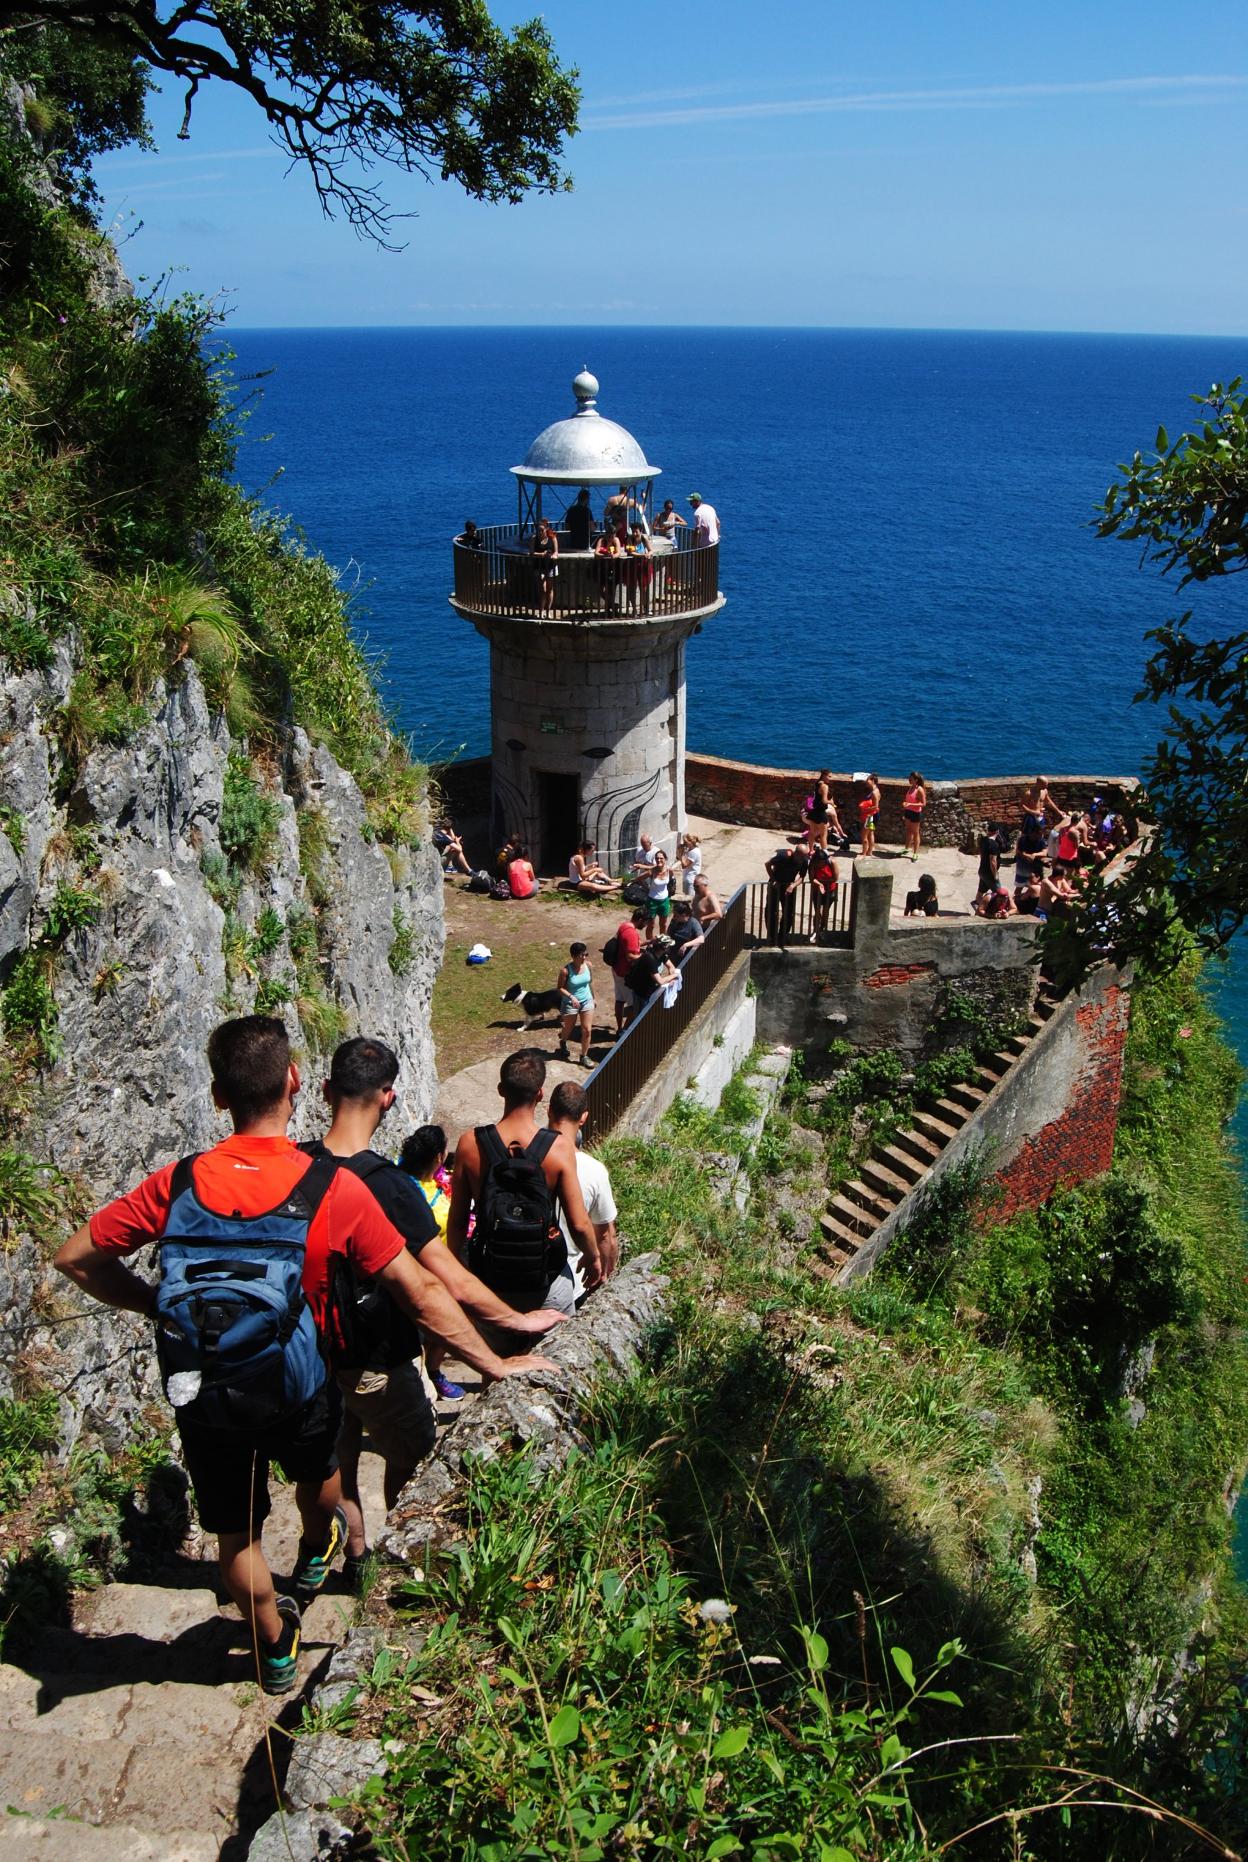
[611,952]
[517,1247]
[364,1328]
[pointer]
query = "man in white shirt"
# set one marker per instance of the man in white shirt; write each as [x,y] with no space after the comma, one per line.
[569,1109]
[705,520]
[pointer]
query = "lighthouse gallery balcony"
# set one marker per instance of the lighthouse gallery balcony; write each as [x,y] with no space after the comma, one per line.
[499,579]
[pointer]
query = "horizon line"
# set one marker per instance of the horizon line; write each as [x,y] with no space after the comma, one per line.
[868,329]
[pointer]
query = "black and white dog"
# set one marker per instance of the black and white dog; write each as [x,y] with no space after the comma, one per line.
[536,1003]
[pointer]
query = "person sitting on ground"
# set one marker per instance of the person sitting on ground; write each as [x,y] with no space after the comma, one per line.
[544,550]
[569,1112]
[506,854]
[658,894]
[689,856]
[258,1192]
[994,901]
[1027,891]
[576,1002]
[824,879]
[706,906]
[628,935]
[520,875]
[1071,841]
[923,901]
[587,876]
[382,1389]
[515,1176]
[686,933]
[786,870]
[451,847]
[1054,838]
[472,538]
[579,521]
[1056,893]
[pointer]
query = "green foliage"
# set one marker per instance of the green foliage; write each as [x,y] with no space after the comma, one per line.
[272,993]
[606,1712]
[314,854]
[267,932]
[31,1200]
[90,97]
[13,825]
[940,1229]
[403,945]
[224,883]
[28,1007]
[323,1020]
[249,818]
[94,714]
[439,90]
[29,1430]
[72,908]
[1186,506]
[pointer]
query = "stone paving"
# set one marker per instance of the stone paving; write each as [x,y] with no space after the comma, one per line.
[140,1734]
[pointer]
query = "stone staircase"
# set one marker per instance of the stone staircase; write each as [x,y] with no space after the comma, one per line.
[893,1171]
[139,1734]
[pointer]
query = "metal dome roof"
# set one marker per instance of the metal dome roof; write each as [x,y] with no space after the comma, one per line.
[585,449]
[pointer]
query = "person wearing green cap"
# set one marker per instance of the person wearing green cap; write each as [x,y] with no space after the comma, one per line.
[705,521]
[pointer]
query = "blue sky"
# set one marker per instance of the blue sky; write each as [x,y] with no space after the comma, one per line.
[965,165]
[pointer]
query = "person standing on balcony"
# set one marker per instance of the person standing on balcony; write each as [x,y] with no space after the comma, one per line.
[579,522]
[666,522]
[705,521]
[658,894]
[608,550]
[615,512]
[912,811]
[640,571]
[706,906]
[545,552]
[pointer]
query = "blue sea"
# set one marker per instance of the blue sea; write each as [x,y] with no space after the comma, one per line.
[912,575]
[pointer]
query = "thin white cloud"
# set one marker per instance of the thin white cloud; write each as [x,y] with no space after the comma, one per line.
[186,160]
[969,97]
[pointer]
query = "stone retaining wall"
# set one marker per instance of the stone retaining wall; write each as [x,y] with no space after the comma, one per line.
[758,796]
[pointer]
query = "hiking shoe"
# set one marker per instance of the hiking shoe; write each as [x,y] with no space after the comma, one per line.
[451,1392]
[279,1661]
[312,1568]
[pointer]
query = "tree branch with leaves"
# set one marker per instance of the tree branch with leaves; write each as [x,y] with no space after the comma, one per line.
[1186,505]
[348,85]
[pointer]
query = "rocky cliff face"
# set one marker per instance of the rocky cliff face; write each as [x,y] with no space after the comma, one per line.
[343,938]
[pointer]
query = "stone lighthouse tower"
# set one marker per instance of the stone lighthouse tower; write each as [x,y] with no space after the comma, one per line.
[587,677]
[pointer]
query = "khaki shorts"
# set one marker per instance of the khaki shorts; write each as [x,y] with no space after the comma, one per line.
[394,1409]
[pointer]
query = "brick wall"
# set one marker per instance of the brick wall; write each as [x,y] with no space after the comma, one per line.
[1079,1143]
[763,797]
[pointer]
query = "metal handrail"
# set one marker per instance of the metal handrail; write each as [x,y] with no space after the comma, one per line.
[837,933]
[501,577]
[649,1037]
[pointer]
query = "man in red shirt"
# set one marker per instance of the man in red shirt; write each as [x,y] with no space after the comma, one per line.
[627,951]
[249,1174]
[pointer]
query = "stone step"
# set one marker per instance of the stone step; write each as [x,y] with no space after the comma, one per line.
[937,1129]
[850,1217]
[1006,1060]
[35,1839]
[122,1780]
[970,1098]
[904,1164]
[918,1148]
[876,1206]
[877,1175]
[839,1244]
[949,1112]
[1017,1044]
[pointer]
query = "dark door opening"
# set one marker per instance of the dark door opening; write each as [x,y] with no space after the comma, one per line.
[559,820]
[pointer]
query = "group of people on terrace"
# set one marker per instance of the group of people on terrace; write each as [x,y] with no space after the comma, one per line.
[1053,850]
[621,543]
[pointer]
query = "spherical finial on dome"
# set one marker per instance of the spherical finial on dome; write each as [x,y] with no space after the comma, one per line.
[585,388]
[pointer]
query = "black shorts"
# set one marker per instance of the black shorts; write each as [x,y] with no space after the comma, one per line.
[229,1468]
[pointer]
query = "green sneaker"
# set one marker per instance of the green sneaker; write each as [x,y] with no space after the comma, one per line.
[312,1568]
[279,1661]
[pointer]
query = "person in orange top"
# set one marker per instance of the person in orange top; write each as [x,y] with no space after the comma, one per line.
[248,1175]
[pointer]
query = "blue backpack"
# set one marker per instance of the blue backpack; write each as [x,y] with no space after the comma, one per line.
[236,1341]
